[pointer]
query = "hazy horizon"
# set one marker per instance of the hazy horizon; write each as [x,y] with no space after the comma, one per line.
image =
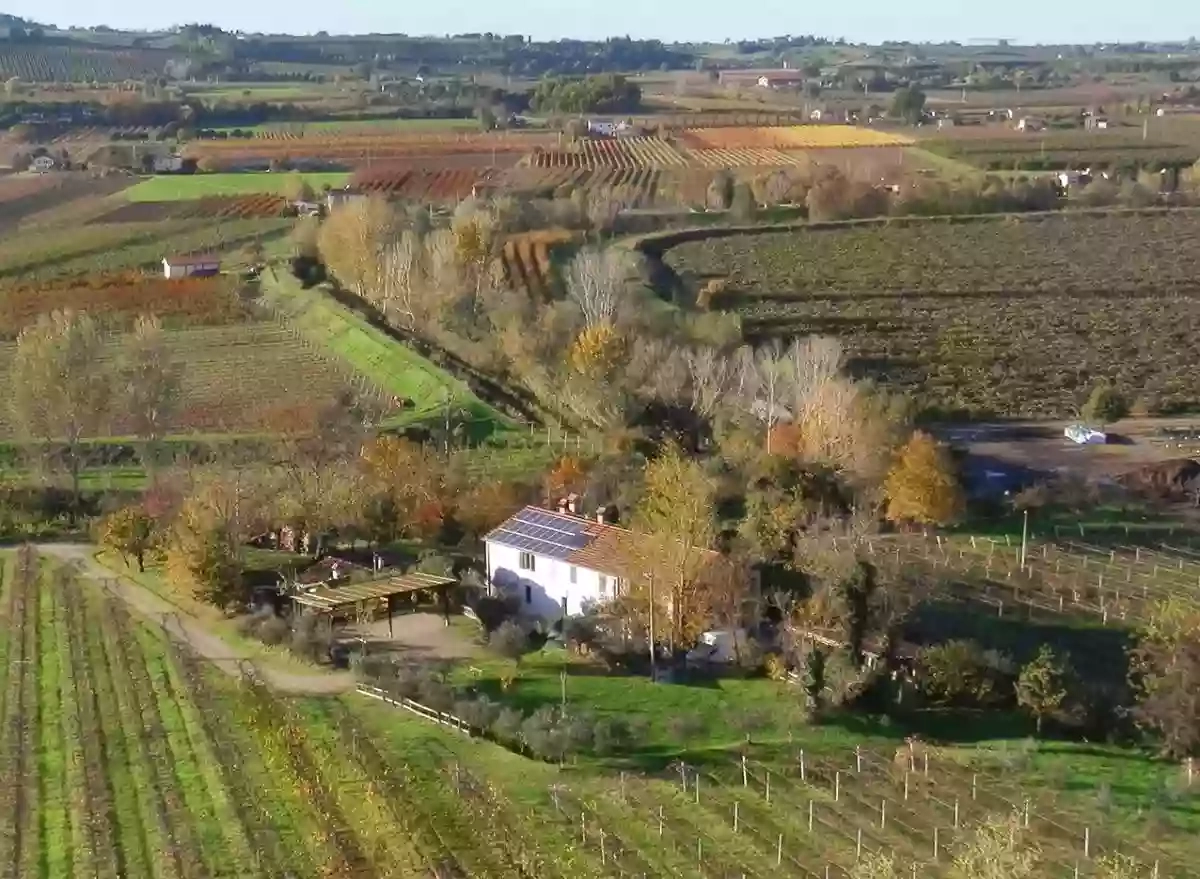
[869,21]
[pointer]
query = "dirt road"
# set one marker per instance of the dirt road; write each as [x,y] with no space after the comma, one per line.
[190,631]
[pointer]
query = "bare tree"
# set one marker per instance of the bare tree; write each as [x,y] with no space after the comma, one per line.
[711,375]
[764,384]
[149,379]
[61,384]
[402,281]
[597,281]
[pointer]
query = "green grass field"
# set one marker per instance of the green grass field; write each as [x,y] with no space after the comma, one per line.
[393,367]
[187,187]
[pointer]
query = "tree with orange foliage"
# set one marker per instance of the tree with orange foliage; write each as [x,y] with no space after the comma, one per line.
[486,505]
[409,486]
[567,477]
[922,485]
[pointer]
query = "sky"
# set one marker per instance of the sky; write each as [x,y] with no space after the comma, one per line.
[1026,21]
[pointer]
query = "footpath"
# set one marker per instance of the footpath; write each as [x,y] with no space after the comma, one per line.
[188,630]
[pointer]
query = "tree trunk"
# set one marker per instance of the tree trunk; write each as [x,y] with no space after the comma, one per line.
[141,561]
[73,458]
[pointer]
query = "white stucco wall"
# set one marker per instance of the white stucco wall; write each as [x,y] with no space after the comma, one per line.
[542,590]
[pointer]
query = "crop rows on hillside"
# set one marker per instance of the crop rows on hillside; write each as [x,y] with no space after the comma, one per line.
[480,149]
[213,207]
[251,376]
[115,247]
[451,185]
[1012,317]
[791,137]
[119,299]
[67,63]
[526,259]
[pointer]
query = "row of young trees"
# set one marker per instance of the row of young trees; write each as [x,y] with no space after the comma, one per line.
[67,386]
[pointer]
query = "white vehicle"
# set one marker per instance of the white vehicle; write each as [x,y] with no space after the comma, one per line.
[717,646]
[1085,436]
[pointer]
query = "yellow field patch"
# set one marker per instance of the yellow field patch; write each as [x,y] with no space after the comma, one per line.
[794,137]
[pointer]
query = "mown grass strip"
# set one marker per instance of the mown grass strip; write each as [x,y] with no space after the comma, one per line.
[57,848]
[223,844]
[185,187]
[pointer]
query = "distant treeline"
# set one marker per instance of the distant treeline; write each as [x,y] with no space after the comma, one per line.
[511,55]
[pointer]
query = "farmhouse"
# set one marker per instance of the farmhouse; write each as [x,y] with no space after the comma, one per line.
[190,266]
[338,197]
[167,164]
[602,128]
[557,563]
[42,164]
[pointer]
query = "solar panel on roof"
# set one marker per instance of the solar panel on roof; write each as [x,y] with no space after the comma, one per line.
[543,533]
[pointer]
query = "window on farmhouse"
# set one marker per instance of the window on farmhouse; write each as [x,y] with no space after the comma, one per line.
[527,561]
[574,577]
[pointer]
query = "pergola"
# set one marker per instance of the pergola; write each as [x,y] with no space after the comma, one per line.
[329,599]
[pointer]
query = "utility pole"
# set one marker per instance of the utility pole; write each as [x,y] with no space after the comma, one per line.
[447,392]
[1024,537]
[651,616]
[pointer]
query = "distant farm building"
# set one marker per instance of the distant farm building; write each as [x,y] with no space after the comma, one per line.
[167,164]
[763,79]
[601,128]
[42,164]
[190,266]
[338,197]
[1030,123]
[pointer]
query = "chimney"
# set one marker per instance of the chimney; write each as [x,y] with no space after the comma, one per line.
[562,505]
[602,514]
[572,504]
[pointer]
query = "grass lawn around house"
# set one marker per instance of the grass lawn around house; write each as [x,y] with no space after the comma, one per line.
[184,187]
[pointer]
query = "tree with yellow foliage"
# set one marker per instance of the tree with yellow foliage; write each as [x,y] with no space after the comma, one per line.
[597,351]
[922,486]
[676,520]
[352,241]
[130,531]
